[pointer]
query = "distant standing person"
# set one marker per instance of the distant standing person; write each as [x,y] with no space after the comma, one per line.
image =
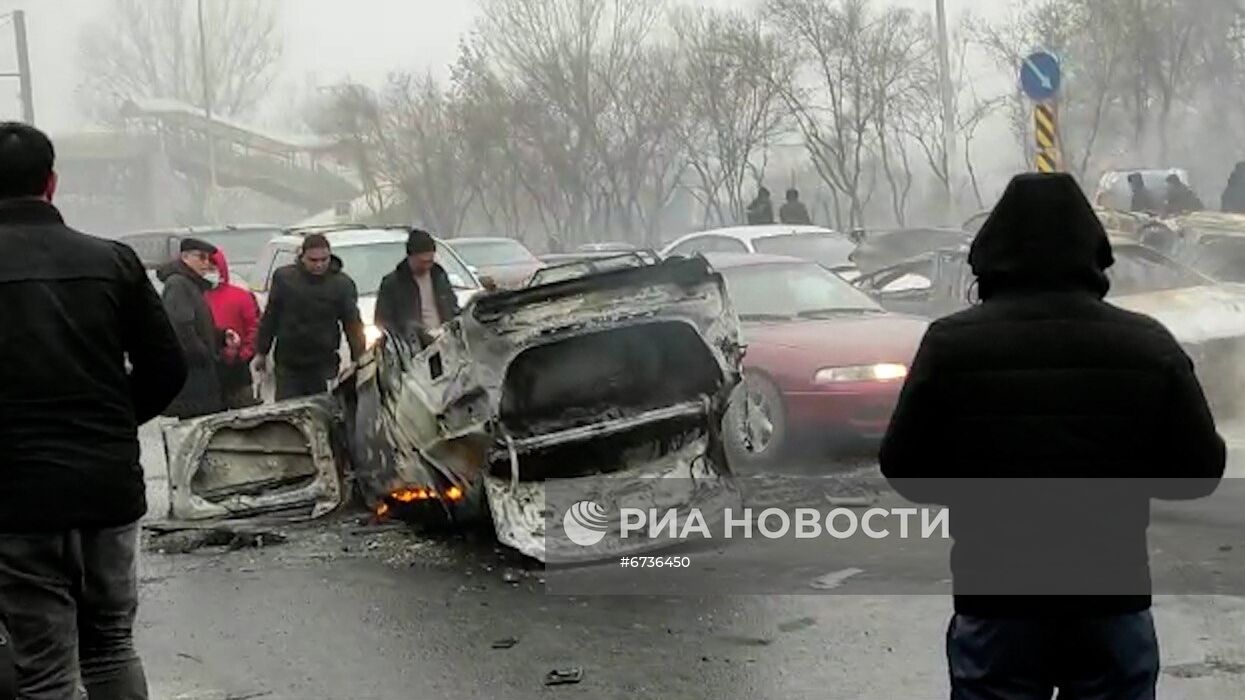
[234,309]
[76,308]
[794,211]
[761,210]
[1233,201]
[417,297]
[312,304]
[185,285]
[1180,198]
[1046,419]
[1142,201]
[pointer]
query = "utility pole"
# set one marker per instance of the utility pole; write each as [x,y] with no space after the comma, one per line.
[23,66]
[207,110]
[948,106]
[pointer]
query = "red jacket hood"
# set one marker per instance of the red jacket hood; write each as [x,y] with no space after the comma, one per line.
[222,264]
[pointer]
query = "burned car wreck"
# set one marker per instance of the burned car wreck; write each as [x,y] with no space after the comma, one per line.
[601,384]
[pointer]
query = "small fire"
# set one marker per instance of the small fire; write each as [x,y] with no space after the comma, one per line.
[454,493]
[411,495]
[382,510]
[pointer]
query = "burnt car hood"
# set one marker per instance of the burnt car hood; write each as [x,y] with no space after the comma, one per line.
[282,460]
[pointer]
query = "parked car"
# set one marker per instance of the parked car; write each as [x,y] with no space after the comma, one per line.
[606,247]
[242,245]
[823,246]
[367,255]
[1208,319]
[504,260]
[884,248]
[823,359]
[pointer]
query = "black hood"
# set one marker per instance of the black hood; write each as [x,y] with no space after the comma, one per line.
[1042,236]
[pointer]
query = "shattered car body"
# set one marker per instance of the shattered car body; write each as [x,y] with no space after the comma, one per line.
[282,460]
[1208,319]
[602,384]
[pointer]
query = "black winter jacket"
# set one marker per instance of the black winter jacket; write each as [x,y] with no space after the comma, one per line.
[399,304]
[201,341]
[1046,419]
[76,308]
[306,316]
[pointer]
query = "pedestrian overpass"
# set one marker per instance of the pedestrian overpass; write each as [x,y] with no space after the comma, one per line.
[296,170]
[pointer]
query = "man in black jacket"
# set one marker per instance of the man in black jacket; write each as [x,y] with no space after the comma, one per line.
[1046,419]
[312,303]
[76,308]
[417,297]
[184,285]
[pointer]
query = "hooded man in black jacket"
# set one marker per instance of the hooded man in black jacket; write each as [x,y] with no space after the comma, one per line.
[312,303]
[1046,419]
[185,282]
[77,310]
[417,298]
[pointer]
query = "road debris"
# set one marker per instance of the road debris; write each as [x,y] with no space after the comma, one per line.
[506,643]
[564,676]
[834,579]
[187,538]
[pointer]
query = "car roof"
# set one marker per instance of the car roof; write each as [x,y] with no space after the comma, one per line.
[752,233]
[352,237]
[727,261]
[482,239]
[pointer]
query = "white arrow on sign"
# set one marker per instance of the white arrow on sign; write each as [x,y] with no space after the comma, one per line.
[1046,82]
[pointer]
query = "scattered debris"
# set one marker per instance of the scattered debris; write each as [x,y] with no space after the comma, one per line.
[506,643]
[1210,666]
[184,539]
[191,657]
[795,625]
[1225,548]
[511,577]
[835,579]
[564,676]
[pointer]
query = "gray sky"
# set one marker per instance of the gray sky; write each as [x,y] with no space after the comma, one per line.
[326,41]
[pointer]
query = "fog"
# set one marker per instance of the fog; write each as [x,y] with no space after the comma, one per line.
[326,41]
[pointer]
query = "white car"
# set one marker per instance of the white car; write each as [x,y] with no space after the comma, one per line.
[367,255]
[824,246]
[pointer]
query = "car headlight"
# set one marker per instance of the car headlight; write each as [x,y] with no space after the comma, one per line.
[885,372]
[372,334]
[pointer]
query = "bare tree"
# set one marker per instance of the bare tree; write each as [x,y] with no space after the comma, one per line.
[733,71]
[856,61]
[150,48]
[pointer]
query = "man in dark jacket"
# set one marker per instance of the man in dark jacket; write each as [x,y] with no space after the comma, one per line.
[794,211]
[76,309]
[1180,198]
[417,297]
[1233,200]
[185,283]
[1143,200]
[312,303]
[761,209]
[1046,419]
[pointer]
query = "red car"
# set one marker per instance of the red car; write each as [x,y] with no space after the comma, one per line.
[823,359]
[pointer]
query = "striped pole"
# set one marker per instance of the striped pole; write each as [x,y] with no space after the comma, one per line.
[1047,145]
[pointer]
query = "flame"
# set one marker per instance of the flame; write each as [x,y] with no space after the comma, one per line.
[382,510]
[410,495]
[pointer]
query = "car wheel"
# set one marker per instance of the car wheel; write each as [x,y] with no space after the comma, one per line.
[755,427]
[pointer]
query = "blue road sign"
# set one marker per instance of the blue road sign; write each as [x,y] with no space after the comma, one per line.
[1040,76]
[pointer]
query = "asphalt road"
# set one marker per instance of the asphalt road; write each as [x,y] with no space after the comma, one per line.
[351,612]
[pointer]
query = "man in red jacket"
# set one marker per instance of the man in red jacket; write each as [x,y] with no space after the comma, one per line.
[234,309]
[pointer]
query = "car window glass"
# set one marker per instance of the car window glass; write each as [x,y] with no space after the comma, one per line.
[280,260]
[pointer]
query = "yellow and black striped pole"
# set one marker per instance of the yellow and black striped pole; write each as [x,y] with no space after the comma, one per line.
[1047,143]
